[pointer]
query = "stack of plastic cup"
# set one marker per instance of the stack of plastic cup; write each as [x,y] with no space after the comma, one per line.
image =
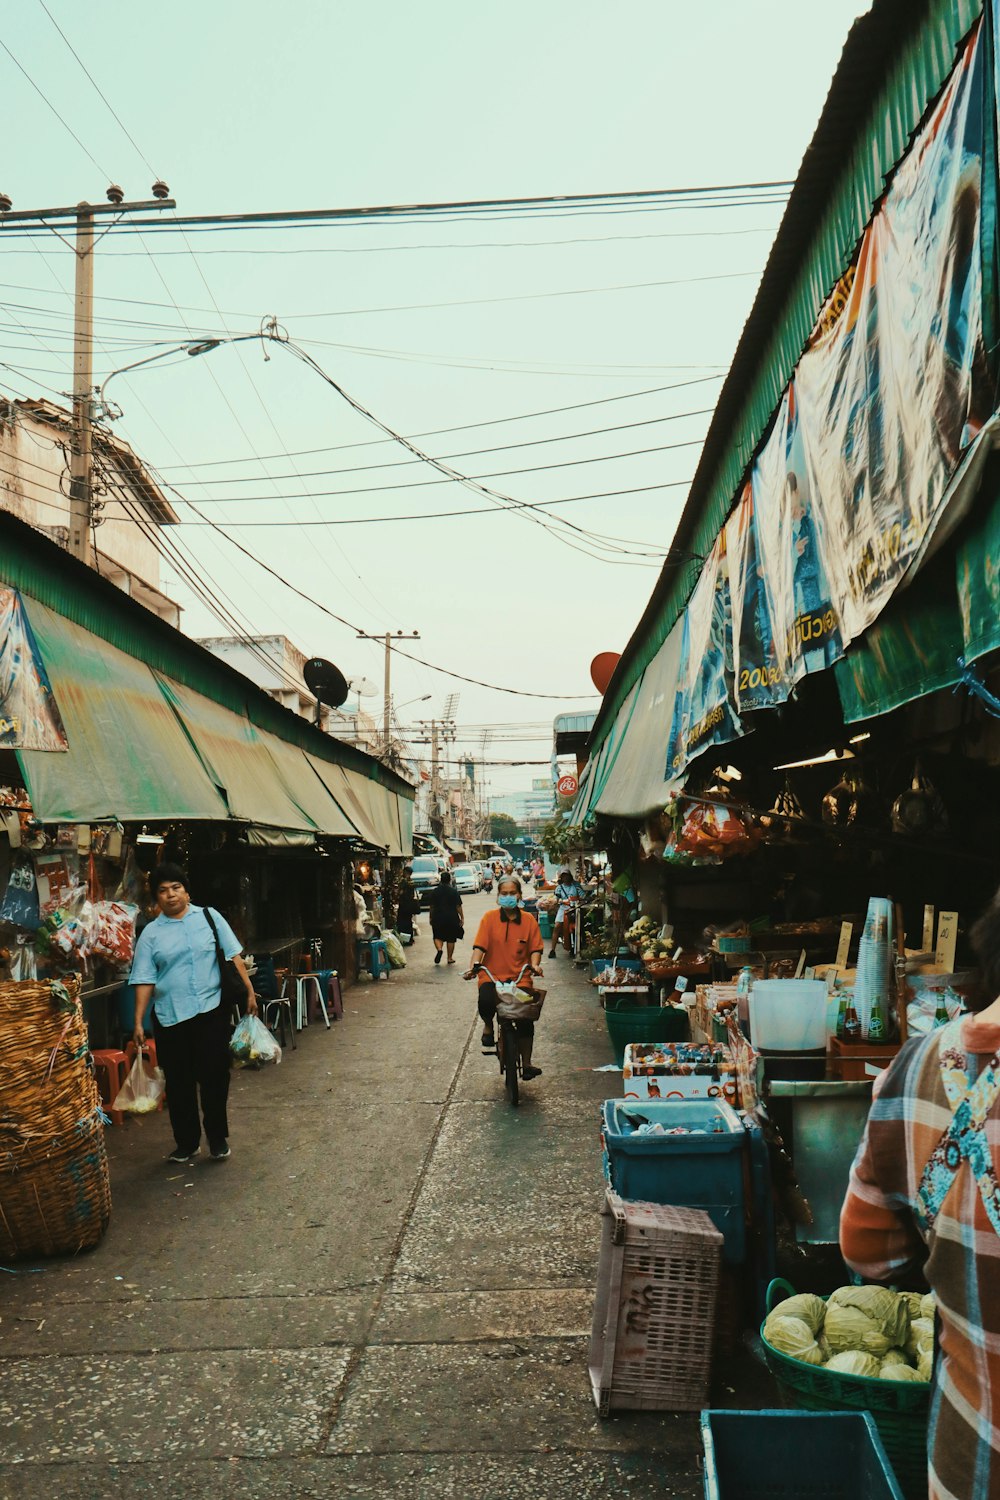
[872,977]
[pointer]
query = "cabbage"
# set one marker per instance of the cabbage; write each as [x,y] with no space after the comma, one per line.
[902,1372]
[928,1306]
[869,1318]
[921,1337]
[894,1357]
[805,1305]
[925,1364]
[854,1362]
[793,1337]
[913,1301]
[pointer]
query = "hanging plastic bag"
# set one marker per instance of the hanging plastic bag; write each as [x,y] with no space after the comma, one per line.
[253,1044]
[394,948]
[143,1089]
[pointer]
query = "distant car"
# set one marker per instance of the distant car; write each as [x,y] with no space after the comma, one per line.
[425,870]
[465,878]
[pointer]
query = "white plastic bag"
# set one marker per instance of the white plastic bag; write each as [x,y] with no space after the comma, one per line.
[143,1089]
[252,1044]
[394,950]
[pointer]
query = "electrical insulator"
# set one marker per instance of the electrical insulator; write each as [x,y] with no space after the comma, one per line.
[6,203]
[160,189]
[115,194]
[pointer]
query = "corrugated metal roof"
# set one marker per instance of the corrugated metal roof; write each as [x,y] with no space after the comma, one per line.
[894,63]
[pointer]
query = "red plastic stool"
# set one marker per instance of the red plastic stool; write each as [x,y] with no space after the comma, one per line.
[110,1069]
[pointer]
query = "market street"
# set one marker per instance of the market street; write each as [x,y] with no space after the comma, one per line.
[387,1290]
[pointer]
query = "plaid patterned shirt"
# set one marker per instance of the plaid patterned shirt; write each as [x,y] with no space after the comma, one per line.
[915,1201]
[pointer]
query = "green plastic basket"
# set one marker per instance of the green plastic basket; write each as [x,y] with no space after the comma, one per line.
[899,1409]
[648,1023]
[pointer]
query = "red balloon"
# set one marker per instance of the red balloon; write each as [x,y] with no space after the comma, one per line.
[602,669]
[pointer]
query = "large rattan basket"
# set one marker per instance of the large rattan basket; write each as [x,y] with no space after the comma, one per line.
[55,1195]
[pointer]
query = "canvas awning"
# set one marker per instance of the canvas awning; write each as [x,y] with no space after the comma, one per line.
[128,756]
[638,782]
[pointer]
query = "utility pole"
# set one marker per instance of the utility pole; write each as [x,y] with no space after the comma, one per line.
[56,219]
[388,638]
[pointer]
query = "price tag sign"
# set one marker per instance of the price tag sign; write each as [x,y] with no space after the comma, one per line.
[927,940]
[844,946]
[947,938]
[801,964]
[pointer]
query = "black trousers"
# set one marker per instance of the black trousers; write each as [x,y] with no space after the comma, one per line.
[195,1057]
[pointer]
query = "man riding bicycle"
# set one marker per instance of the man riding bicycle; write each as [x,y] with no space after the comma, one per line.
[508,940]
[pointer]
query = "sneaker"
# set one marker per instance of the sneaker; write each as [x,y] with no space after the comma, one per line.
[220,1151]
[528,1073]
[489,1042]
[182,1158]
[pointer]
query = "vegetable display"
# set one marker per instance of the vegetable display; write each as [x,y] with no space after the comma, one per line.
[869,1331]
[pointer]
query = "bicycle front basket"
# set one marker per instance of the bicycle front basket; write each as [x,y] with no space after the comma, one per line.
[524,1005]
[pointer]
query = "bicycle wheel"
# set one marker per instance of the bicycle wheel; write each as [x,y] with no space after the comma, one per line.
[510,1064]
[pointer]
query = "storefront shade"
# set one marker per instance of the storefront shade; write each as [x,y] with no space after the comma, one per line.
[637,784]
[235,755]
[404,808]
[305,788]
[338,783]
[127,755]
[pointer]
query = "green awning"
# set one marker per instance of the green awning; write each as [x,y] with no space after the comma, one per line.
[128,756]
[342,786]
[305,788]
[235,755]
[638,782]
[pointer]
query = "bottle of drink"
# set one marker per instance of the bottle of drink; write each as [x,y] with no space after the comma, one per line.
[876,1022]
[852,1023]
[941,1016]
[842,1015]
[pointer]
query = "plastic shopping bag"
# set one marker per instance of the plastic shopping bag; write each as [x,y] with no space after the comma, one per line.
[394,950]
[253,1044]
[143,1089]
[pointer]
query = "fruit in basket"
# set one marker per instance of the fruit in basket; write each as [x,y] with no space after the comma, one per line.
[805,1305]
[855,1362]
[901,1372]
[866,1318]
[921,1338]
[793,1337]
[894,1357]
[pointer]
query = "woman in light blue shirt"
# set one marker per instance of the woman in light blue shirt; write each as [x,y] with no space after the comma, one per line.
[176,964]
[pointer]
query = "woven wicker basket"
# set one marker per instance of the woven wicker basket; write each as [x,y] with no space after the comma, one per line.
[55,1195]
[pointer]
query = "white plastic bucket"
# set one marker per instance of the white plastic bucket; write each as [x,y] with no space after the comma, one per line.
[788,1015]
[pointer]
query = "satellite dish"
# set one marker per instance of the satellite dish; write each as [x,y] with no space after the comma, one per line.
[326,682]
[602,669]
[363,687]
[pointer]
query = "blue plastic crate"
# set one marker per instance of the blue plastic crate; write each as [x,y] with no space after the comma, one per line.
[689,1171]
[795,1455]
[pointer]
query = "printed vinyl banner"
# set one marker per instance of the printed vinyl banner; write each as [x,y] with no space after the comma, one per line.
[29,715]
[845,495]
[703,706]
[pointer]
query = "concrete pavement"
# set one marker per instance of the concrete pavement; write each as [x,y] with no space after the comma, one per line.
[386,1291]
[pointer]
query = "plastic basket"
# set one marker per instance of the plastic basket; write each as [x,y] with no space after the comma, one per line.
[794,1455]
[545,924]
[900,1409]
[651,1341]
[650,1023]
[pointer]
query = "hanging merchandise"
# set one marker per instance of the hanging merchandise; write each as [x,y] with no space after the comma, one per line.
[919,811]
[29,715]
[714,830]
[57,877]
[112,931]
[703,711]
[20,902]
[786,821]
[851,803]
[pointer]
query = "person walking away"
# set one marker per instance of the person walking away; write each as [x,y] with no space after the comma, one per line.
[407,907]
[924,1196]
[176,965]
[507,940]
[568,893]
[447,917]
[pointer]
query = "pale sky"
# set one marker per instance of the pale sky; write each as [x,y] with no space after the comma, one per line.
[246,106]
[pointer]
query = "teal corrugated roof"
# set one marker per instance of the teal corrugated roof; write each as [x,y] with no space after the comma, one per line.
[894,63]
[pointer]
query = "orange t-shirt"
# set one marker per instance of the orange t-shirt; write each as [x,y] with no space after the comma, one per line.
[508,945]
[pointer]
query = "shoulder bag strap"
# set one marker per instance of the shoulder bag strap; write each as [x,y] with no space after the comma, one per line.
[215,934]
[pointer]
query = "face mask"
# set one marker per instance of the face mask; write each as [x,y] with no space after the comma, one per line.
[507,903]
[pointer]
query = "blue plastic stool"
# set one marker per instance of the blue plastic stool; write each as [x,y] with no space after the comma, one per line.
[373,954]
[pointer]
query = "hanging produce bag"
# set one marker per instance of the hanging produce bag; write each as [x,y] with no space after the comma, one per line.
[143,1090]
[253,1044]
